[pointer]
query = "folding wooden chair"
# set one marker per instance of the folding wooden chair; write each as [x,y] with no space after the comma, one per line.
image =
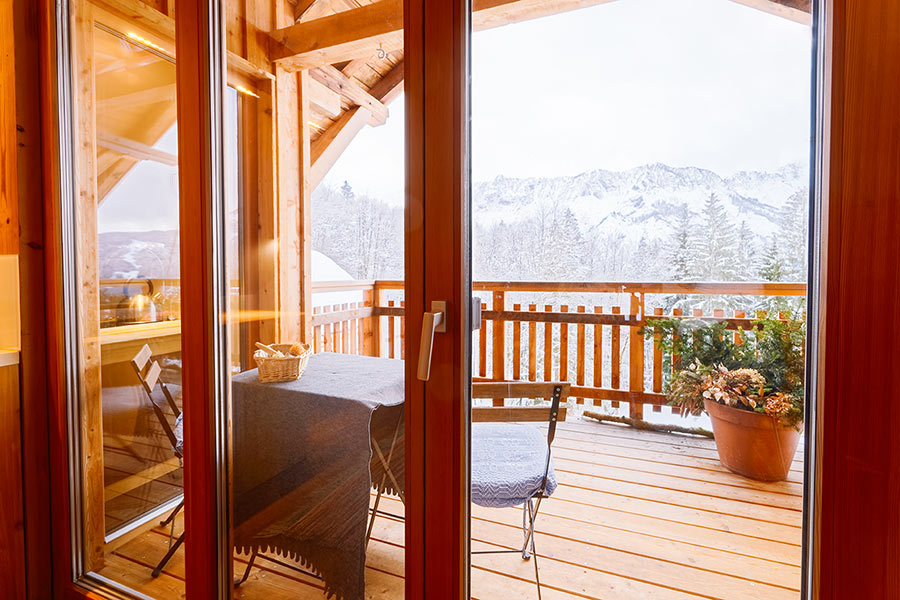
[148,371]
[511,461]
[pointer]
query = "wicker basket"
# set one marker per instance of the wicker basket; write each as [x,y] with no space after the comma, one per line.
[273,369]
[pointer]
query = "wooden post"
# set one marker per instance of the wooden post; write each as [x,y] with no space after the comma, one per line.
[564,347]
[294,241]
[636,356]
[374,299]
[91,411]
[482,344]
[499,342]
[581,350]
[392,345]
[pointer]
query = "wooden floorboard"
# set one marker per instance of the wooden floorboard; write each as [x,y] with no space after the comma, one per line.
[636,515]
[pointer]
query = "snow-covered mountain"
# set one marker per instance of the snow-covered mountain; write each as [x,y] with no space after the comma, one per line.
[640,202]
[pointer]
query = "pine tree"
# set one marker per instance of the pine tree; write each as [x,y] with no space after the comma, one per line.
[681,248]
[793,239]
[347,191]
[716,243]
[745,254]
[772,267]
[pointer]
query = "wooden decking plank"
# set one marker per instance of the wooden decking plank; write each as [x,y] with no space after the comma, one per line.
[694,473]
[564,432]
[599,560]
[657,455]
[713,497]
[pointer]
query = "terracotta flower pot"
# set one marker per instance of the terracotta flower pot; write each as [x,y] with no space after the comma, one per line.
[752,444]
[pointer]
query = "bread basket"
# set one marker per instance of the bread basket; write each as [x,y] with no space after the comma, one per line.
[272,369]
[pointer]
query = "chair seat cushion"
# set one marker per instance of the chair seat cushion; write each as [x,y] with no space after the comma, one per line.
[508,461]
[178,430]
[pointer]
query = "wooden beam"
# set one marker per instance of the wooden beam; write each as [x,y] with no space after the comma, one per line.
[343,36]
[389,87]
[302,7]
[360,32]
[352,91]
[136,149]
[324,98]
[163,93]
[799,11]
[329,146]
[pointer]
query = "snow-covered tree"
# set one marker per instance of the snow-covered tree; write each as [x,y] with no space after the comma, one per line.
[772,266]
[682,247]
[716,240]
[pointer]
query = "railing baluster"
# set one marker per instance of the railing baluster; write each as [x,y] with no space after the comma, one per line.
[317,331]
[371,336]
[676,358]
[345,334]
[548,346]
[598,351]
[391,333]
[738,336]
[482,344]
[326,344]
[532,346]
[564,347]
[402,331]
[517,346]
[616,354]
[580,352]
[657,360]
[353,326]
[498,352]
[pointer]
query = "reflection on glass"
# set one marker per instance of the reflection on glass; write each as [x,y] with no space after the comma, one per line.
[316,329]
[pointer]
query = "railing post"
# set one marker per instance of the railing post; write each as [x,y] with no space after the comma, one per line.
[376,320]
[499,342]
[636,357]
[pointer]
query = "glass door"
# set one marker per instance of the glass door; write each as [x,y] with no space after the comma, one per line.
[639,251]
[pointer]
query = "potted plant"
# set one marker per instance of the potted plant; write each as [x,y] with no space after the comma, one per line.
[751,387]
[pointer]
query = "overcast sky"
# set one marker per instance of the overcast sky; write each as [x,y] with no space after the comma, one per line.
[706,83]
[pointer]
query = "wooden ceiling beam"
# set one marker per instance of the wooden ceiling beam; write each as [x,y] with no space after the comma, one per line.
[352,91]
[324,99]
[329,146]
[799,11]
[360,32]
[389,87]
[136,149]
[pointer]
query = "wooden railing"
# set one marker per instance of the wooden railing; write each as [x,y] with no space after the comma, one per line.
[591,329]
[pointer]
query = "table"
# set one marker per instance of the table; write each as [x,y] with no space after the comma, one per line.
[306,454]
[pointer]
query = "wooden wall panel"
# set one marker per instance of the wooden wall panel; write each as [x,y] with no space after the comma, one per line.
[9,228]
[859,437]
[12,538]
[33,361]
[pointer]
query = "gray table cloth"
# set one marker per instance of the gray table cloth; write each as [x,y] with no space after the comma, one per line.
[304,464]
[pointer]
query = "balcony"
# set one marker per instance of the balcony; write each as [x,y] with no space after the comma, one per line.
[638,513]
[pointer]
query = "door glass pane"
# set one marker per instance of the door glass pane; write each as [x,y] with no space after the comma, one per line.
[640,241]
[126,279]
[314,252]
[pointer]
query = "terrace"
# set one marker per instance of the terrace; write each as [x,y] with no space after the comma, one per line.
[638,514]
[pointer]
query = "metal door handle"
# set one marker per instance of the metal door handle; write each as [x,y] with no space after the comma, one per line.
[432,322]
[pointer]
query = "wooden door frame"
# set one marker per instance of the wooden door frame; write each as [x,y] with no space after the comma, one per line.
[854,463]
[436,54]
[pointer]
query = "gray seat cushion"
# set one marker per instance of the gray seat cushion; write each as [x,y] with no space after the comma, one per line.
[508,461]
[178,430]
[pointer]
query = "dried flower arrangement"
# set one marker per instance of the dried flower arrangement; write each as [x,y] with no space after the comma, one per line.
[763,372]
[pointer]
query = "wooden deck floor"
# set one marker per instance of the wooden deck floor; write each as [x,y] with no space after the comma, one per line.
[637,515]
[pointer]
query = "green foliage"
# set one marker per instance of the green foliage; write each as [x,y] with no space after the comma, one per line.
[775,348]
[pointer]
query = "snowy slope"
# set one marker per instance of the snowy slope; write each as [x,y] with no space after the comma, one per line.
[640,202]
